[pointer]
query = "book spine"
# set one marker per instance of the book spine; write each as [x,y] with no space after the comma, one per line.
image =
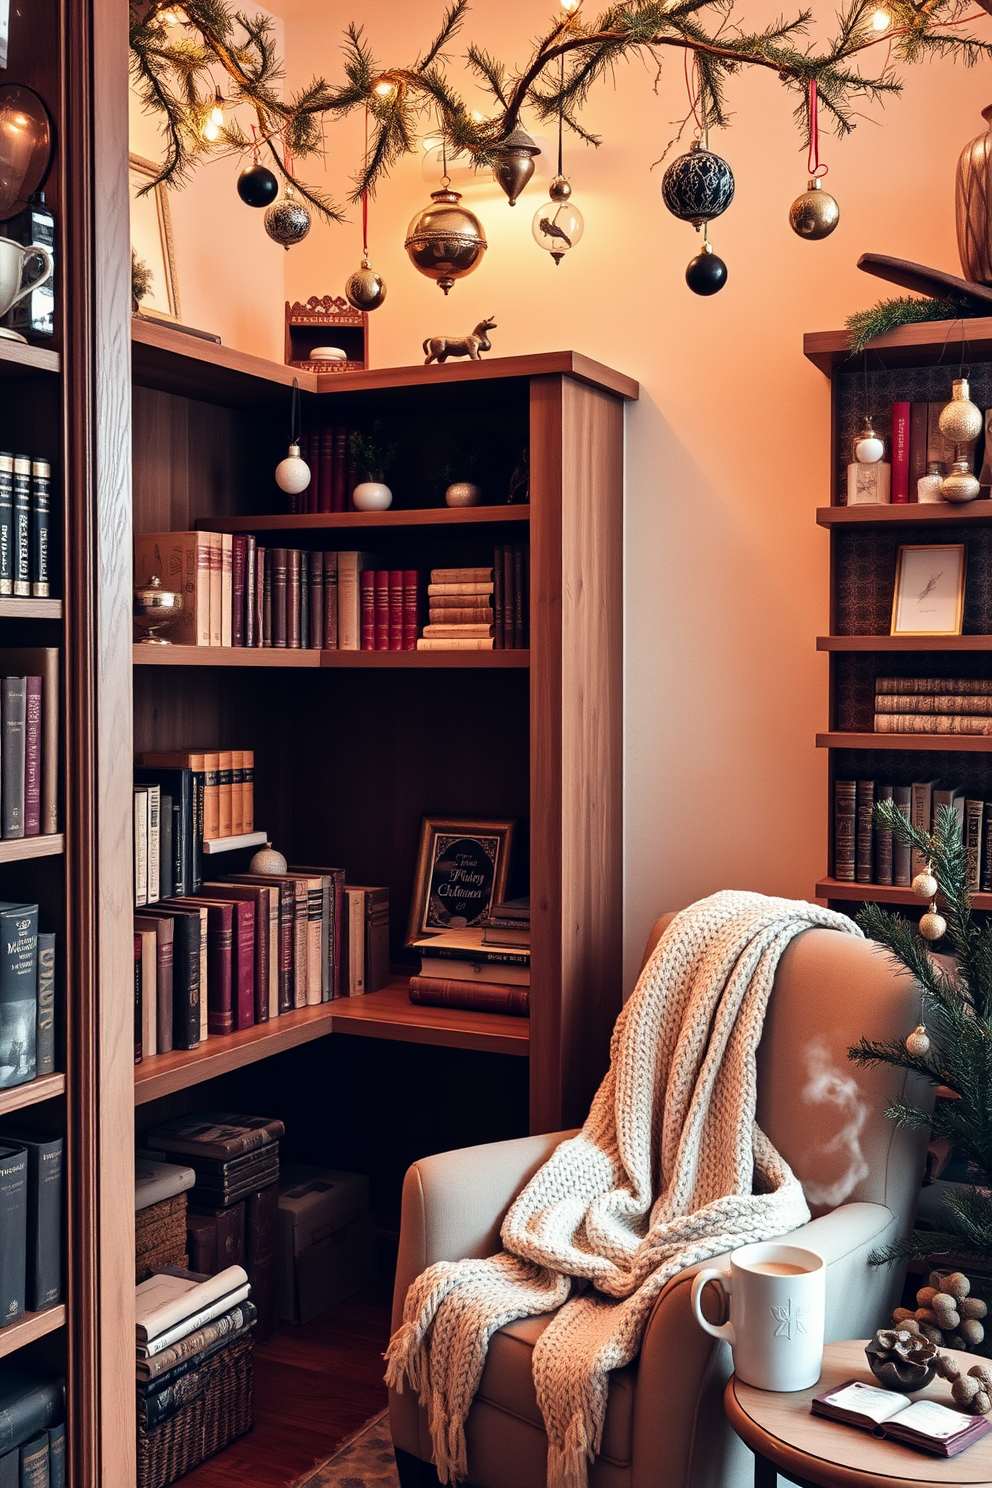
[293,598]
[349,602]
[509,643]
[845,815]
[961,686]
[44,1252]
[883,843]
[902,795]
[394,579]
[34,1462]
[18,991]
[56,1457]
[973,819]
[453,643]
[376,939]
[244,964]
[138,1005]
[239,556]
[453,631]
[934,702]
[985,873]
[366,583]
[287,936]
[325,469]
[462,575]
[900,453]
[32,757]
[483,615]
[226,595]
[331,601]
[918,434]
[922,818]
[380,610]
[6,523]
[316,636]
[32,1412]
[13,709]
[41,516]
[518,597]
[248,789]
[220,971]
[45,1034]
[154,831]
[262,1254]
[411,615]
[250,604]
[165,862]
[932,723]
[488,997]
[21,556]
[167,1403]
[237,793]
[216,559]
[279,571]
[264,595]
[13,1234]
[186,989]
[164,946]
[498,604]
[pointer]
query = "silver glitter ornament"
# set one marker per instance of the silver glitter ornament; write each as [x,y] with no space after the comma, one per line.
[287,221]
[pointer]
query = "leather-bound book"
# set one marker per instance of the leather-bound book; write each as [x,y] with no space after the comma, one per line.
[215,1238]
[34,1462]
[509,644]
[262,1254]
[339,473]
[902,857]
[217,1136]
[325,470]
[138,1006]
[177,782]
[863,854]
[395,589]
[6,523]
[900,453]
[44,1216]
[41,507]
[164,929]
[258,896]
[919,418]
[479,615]
[165,859]
[13,709]
[845,816]
[266,593]
[56,1456]
[366,583]
[250,613]
[330,601]
[286,890]
[185,974]
[293,598]
[315,636]
[225,815]
[32,757]
[519,597]
[380,589]
[239,558]
[45,1022]
[304,597]
[13,1231]
[22,526]
[411,613]
[883,842]
[279,564]
[237,793]
[220,974]
[350,566]
[480,997]
[248,785]
[226,592]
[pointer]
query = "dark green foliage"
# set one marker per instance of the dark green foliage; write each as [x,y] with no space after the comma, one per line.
[957,1013]
[865,325]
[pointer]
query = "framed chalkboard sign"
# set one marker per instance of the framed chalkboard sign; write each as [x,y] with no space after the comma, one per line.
[460,875]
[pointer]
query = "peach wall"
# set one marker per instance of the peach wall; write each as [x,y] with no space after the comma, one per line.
[728,447]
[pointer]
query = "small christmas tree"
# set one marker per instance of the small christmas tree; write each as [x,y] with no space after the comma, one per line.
[952,1047]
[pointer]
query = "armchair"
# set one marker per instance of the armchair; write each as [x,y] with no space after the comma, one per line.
[665,1426]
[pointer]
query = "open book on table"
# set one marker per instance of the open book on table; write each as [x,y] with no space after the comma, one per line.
[920,1423]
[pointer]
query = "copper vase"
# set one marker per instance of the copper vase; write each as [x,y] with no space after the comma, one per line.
[973,206]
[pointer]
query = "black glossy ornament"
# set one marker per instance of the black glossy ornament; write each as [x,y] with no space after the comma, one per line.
[698,186]
[257,186]
[706,273]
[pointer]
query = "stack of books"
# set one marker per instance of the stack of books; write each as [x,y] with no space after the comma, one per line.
[32,1426]
[389,611]
[233,1204]
[30,1224]
[486,968]
[29,741]
[480,609]
[181,800]
[933,705]
[27,996]
[866,853]
[160,1215]
[25,513]
[182,1319]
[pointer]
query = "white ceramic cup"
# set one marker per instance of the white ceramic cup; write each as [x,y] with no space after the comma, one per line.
[777,1295]
[14,258]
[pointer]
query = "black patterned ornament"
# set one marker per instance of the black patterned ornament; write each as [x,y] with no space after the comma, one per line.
[257,186]
[287,221]
[698,186]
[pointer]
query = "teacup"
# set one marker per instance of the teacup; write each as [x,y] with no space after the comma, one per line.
[777,1298]
[17,260]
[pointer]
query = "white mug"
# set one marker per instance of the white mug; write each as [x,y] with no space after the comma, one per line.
[777,1295]
[14,258]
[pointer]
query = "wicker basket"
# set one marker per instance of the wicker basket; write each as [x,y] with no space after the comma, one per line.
[206,1425]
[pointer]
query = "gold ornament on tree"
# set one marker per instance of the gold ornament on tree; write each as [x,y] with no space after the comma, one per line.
[815,214]
[932,924]
[960,419]
[925,885]
[918,1042]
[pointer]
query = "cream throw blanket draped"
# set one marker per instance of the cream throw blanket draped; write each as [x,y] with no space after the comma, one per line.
[669,1169]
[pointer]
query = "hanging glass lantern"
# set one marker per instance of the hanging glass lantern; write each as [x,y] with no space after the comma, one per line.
[559,224]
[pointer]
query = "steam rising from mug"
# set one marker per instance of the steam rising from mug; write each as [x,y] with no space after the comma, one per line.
[25,146]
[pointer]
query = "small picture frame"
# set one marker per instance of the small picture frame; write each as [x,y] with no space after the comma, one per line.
[461,873]
[928,598]
[151,240]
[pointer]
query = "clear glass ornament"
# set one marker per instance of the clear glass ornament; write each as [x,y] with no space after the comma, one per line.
[557,227]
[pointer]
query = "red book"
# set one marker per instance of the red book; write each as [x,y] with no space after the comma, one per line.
[325,469]
[366,581]
[220,941]
[251,638]
[900,453]
[351,477]
[918,431]
[381,608]
[339,472]
[32,757]
[411,584]
[239,555]
[258,896]
[395,609]
[483,997]
[243,964]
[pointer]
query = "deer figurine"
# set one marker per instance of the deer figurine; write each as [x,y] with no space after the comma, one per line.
[439,348]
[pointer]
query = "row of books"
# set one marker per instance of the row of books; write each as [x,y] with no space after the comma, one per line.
[251,947]
[30,1223]
[485,968]
[27,996]
[181,799]
[32,1427]
[483,609]
[333,476]
[25,515]
[29,741]
[865,853]
[915,445]
[933,705]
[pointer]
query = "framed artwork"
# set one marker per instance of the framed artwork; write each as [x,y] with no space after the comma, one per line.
[929,591]
[151,240]
[460,875]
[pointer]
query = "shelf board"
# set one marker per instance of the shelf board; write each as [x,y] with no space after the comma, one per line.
[880,516]
[30,609]
[16,358]
[433,516]
[906,346]
[904,643]
[214,845]
[388,1014]
[934,743]
[240,656]
[29,1327]
[542,364]
[32,1094]
[19,849]
[835,888]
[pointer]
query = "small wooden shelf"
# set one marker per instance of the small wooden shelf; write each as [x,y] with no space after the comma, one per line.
[18,1097]
[29,1327]
[16,358]
[431,516]
[932,743]
[425,659]
[835,888]
[19,849]
[30,609]
[240,656]
[881,516]
[214,845]
[904,643]
[388,1014]
[907,346]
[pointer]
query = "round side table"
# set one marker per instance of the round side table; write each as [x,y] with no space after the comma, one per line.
[819,1453]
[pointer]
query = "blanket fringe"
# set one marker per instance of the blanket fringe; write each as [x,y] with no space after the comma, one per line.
[568,1461]
[406,1361]
[448,1440]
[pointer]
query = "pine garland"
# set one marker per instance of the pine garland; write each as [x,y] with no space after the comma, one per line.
[864,325]
[957,1014]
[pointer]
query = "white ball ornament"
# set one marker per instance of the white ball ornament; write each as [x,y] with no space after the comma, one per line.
[918,1042]
[869,449]
[925,885]
[932,925]
[293,474]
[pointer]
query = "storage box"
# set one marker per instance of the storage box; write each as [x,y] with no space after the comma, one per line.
[326,1240]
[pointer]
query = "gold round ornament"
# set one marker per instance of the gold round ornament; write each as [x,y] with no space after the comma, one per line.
[961,484]
[960,420]
[815,214]
[925,885]
[445,241]
[155,608]
[932,925]
[918,1042]
[365,289]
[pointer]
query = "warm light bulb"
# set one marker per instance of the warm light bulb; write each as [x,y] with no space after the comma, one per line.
[881,20]
[216,115]
[570,6]
[385,90]
[210,131]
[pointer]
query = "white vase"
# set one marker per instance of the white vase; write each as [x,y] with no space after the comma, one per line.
[463,493]
[372,496]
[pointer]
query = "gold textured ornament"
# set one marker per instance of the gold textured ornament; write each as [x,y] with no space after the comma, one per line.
[365,289]
[815,214]
[268,859]
[445,241]
[925,885]
[972,199]
[932,925]
[918,1042]
[515,165]
[960,420]
[962,483]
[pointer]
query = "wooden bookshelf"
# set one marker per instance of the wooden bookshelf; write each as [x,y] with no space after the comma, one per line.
[930,743]
[19,1097]
[20,360]
[920,345]
[904,643]
[29,1327]
[912,513]
[237,656]
[30,609]
[859,893]
[20,849]
[440,516]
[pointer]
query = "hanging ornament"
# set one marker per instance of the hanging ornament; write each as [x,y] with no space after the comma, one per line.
[932,925]
[293,474]
[445,241]
[869,448]
[815,214]
[706,273]
[287,221]
[515,165]
[925,885]
[257,185]
[698,186]
[365,289]
[918,1042]
[960,420]
[558,224]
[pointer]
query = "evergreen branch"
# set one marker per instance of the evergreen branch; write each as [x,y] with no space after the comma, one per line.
[450,27]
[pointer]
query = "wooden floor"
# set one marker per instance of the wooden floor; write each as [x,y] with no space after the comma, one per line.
[314,1386]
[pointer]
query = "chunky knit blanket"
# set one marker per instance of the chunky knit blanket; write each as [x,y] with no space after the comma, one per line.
[669,1169]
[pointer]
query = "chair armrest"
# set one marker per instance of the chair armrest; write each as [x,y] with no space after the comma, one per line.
[454,1203]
